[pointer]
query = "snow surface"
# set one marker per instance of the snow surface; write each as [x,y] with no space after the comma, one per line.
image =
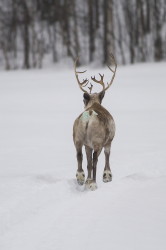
[41,206]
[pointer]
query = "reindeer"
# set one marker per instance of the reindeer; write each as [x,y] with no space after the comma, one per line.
[94,129]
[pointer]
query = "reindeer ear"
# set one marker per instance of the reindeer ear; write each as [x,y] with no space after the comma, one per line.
[86,96]
[101,95]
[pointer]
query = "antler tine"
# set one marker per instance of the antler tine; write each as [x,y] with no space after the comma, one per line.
[99,81]
[113,58]
[90,88]
[84,82]
[113,71]
[80,72]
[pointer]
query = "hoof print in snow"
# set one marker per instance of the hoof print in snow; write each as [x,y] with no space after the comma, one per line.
[107,176]
[80,177]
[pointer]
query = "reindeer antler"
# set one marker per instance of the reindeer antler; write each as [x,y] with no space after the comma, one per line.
[101,82]
[113,71]
[85,82]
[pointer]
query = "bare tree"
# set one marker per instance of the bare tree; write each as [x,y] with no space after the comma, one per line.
[91,30]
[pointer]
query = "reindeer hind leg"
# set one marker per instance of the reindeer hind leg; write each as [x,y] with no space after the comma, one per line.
[89,164]
[80,175]
[107,175]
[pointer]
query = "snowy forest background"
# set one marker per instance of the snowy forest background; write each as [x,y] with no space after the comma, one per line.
[36,31]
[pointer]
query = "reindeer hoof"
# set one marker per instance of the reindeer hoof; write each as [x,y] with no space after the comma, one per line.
[88,181]
[93,186]
[107,176]
[90,184]
[80,177]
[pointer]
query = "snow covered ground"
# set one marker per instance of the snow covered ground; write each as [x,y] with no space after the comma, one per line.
[41,206]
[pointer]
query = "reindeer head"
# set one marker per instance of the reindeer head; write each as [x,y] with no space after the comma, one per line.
[90,98]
